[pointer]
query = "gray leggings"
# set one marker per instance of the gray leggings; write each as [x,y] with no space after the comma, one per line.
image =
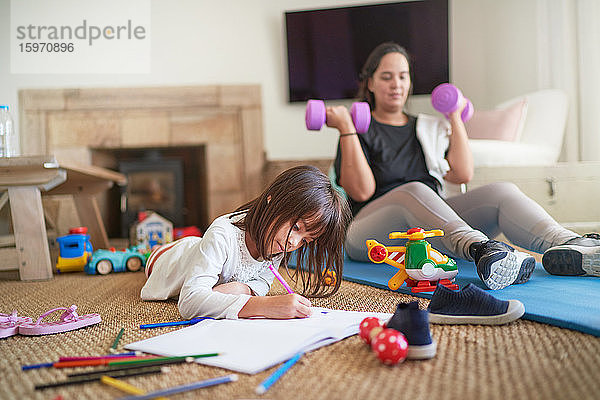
[474,216]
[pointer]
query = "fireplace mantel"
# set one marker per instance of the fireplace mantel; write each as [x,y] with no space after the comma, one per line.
[72,123]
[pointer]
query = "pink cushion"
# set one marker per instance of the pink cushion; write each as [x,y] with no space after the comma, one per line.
[500,124]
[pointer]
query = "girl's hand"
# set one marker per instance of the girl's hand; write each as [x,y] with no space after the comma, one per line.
[287,306]
[277,307]
[339,117]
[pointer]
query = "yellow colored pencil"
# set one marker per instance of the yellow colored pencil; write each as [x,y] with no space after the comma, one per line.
[124,386]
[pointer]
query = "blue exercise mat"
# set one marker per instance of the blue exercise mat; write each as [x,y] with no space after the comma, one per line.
[568,302]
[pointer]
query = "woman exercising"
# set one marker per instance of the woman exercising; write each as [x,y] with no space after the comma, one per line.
[395,174]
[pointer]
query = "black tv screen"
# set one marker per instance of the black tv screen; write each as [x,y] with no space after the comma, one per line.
[326,48]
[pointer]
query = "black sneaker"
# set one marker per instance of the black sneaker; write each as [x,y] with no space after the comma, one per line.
[577,256]
[500,265]
[471,305]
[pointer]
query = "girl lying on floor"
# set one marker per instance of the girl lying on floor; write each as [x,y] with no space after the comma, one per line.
[225,274]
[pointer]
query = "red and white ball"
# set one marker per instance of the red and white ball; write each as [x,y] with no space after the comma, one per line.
[390,346]
[367,326]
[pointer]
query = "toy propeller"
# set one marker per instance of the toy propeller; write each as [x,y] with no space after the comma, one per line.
[416,234]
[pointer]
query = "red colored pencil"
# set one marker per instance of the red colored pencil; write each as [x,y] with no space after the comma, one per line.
[99,361]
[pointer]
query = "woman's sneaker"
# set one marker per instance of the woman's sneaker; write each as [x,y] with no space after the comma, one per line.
[577,256]
[471,305]
[500,265]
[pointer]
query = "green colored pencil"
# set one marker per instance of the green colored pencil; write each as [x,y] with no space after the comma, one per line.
[151,360]
[116,342]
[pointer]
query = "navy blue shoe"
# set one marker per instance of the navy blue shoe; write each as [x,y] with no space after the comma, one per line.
[500,265]
[577,256]
[414,324]
[471,305]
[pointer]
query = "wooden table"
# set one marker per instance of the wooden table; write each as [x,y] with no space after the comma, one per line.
[25,179]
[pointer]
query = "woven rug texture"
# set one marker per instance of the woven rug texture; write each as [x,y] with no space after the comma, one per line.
[522,360]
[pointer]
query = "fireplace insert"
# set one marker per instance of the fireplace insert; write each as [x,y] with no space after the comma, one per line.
[154,183]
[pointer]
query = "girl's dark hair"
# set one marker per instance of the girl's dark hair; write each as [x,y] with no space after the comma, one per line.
[306,193]
[371,65]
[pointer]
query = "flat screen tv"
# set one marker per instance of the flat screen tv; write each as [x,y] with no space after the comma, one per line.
[326,48]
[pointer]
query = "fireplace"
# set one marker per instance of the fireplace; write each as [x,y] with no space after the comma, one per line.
[215,132]
[154,183]
[168,180]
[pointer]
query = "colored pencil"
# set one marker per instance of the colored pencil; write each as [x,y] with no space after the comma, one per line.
[128,354]
[92,378]
[98,361]
[113,348]
[124,386]
[267,383]
[108,370]
[280,278]
[36,366]
[175,323]
[150,360]
[184,388]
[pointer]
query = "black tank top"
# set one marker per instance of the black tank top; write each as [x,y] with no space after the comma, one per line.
[395,156]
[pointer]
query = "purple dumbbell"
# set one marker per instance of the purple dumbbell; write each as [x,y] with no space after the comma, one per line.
[316,115]
[446,98]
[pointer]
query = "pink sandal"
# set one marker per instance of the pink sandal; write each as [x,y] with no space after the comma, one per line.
[69,320]
[9,324]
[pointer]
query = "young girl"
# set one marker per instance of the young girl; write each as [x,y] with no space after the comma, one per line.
[225,274]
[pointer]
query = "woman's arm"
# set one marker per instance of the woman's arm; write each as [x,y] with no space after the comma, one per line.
[356,176]
[459,154]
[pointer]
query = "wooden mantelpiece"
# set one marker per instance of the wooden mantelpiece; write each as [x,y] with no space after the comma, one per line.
[72,123]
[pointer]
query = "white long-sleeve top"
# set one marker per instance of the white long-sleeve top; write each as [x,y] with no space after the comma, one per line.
[190,267]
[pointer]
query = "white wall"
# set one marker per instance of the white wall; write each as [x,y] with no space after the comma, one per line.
[494,56]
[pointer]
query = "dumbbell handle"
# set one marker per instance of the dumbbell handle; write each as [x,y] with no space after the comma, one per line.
[446,98]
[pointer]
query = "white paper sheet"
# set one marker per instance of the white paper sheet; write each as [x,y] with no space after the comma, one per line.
[253,345]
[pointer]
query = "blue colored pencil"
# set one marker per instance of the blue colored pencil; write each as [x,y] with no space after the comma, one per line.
[175,323]
[184,388]
[267,383]
[36,366]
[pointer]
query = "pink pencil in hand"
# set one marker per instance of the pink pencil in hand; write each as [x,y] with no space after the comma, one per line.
[280,278]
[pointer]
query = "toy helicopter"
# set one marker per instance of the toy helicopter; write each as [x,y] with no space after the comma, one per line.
[420,265]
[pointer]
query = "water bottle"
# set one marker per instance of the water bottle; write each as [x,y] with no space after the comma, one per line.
[9,142]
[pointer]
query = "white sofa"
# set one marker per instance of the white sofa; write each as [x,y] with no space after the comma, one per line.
[540,140]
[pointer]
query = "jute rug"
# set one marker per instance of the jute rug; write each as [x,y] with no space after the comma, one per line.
[522,360]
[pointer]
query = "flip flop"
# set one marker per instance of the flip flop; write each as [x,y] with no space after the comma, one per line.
[9,324]
[69,320]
